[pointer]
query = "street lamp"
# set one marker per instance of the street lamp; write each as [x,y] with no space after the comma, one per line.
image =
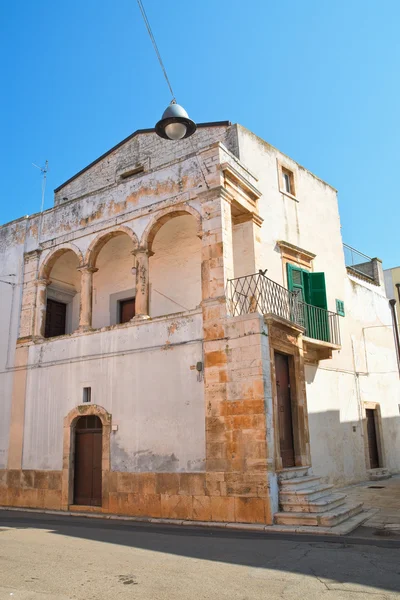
[175,123]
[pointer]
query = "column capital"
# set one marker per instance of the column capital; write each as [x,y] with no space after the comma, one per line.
[87,269]
[142,250]
[42,282]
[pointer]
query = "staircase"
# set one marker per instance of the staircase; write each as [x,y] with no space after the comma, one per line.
[305,501]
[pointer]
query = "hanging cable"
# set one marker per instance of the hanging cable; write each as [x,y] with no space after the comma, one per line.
[146,22]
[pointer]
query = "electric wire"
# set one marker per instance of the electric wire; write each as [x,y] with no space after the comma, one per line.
[146,22]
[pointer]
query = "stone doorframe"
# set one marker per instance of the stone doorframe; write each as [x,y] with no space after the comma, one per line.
[67,484]
[379,435]
[286,338]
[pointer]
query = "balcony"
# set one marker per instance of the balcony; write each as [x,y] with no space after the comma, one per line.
[258,293]
[362,266]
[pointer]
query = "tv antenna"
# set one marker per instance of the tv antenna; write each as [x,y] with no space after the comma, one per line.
[43,170]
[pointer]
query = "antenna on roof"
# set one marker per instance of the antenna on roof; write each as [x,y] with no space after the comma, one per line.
[43,170]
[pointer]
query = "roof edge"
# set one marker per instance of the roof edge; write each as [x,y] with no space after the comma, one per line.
[127,139]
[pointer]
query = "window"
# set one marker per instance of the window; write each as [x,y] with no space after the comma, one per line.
[340,307]
[56,313]
[126,310]
[287,181]
[87,394]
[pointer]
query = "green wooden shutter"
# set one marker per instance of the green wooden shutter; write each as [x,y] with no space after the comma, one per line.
[296,281]
[317,290]
[318,319]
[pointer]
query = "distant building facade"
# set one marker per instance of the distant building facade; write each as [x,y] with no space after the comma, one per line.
[392,285]
[181,338]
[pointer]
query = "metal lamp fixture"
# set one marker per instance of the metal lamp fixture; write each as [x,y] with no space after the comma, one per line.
[175,123]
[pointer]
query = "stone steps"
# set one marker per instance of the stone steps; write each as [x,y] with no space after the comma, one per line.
[299,483]
[307,502]
[293,473]
[326,503]
[305,495]
[379,474]
[325,519]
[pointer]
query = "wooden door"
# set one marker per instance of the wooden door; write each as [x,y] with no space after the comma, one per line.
[126,310]
[372,439]
[88,455]
[55,318]
[284,410]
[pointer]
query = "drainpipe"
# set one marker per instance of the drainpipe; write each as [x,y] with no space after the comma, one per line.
[395,330]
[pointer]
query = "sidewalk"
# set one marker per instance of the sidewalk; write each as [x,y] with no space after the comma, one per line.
[384,497]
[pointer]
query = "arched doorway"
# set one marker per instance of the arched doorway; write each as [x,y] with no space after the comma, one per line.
[88,461]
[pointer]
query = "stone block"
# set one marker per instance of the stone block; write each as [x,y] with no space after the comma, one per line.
[242,407]
[213,483]
[3,496]
[249,510]
[192,484]
[55,478]
[52,499]
[222,509]
[216,450]
[145,505]
[201,508]
[13,478]
[41,480]
[27,478]
[167,483]
[218,358]
[113,503]
[176,507]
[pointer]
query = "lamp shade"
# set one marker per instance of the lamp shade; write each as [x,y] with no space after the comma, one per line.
[175,123]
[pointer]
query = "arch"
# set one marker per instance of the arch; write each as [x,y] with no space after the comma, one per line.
[166,215]
[86,410]
[68,450]
[50,260]
[101,240]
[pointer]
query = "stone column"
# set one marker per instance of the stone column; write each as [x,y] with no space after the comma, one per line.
[142,283]
[85,313]
[40,315]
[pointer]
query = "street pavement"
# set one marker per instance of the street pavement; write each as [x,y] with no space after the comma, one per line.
[52,557]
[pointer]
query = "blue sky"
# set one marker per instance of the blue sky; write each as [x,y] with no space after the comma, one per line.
[318,79]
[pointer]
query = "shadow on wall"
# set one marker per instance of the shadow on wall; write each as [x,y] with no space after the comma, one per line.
[341,567]
[340,450]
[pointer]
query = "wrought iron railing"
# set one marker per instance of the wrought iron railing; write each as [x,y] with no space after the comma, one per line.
[258,293]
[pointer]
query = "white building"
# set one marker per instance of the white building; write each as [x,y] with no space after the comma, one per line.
[149,368]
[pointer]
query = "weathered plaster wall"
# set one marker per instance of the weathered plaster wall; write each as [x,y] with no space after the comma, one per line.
[12,238]
[175,268]
[144,376]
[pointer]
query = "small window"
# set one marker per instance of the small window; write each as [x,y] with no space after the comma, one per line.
[340,307]
[87,394]
[126,310]
[287,181]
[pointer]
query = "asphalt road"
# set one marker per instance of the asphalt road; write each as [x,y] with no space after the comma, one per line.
[49,557]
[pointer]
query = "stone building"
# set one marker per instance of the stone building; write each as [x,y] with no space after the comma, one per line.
[182,339]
